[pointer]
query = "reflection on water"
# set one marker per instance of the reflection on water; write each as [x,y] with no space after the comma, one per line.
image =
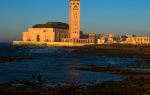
[56,65]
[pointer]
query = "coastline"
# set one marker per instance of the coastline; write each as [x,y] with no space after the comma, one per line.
[137,82]
[134,84]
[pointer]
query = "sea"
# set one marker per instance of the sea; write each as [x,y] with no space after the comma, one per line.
[56,65]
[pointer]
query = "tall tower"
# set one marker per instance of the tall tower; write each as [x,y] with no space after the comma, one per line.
[74,19]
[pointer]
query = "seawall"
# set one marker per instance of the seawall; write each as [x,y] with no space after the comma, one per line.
[52,44]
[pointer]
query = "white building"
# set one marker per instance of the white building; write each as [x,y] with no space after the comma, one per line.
[138,40]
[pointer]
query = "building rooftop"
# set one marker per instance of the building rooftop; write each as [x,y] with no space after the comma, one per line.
[59,25]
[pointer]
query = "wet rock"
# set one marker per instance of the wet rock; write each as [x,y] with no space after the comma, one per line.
[113,50]
[113,70]
[139,85]
[130,86]
[4,59]
[32,88]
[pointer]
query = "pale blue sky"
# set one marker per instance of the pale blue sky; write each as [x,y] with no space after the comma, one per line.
[115,16]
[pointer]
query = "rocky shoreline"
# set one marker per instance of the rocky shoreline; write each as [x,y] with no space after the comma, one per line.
[113,50]
[126,51]
[139,85]
[137,81]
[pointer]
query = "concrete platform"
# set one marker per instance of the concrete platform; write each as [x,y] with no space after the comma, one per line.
[52,44]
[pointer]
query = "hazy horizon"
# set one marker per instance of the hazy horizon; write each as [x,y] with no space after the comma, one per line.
[103,16]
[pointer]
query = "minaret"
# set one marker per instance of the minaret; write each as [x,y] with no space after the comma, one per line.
[74,19]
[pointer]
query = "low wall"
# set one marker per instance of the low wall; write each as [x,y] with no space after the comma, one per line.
[65,44]
[29,43]
[53,44]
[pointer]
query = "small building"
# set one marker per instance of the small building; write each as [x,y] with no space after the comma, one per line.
[101,40]
[110,39]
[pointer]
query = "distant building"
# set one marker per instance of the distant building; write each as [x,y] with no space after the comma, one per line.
[101,40]
[110,39]
[138,40]
[124,37]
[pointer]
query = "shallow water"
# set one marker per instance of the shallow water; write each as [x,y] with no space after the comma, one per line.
[56,65]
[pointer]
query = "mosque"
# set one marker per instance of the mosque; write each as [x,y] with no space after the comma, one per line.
[71,35]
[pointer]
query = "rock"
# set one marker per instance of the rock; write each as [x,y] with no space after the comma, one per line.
[4,59]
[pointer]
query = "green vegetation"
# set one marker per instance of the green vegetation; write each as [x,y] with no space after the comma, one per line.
[59,25]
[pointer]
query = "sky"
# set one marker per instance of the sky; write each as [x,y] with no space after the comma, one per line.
[98,16]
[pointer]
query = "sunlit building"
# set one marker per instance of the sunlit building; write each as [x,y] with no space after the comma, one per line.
[138,40]
[45,34]
[101,40]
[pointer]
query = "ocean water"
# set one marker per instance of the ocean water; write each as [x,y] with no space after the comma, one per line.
[55,65]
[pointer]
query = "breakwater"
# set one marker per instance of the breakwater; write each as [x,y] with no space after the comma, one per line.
[53,44]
